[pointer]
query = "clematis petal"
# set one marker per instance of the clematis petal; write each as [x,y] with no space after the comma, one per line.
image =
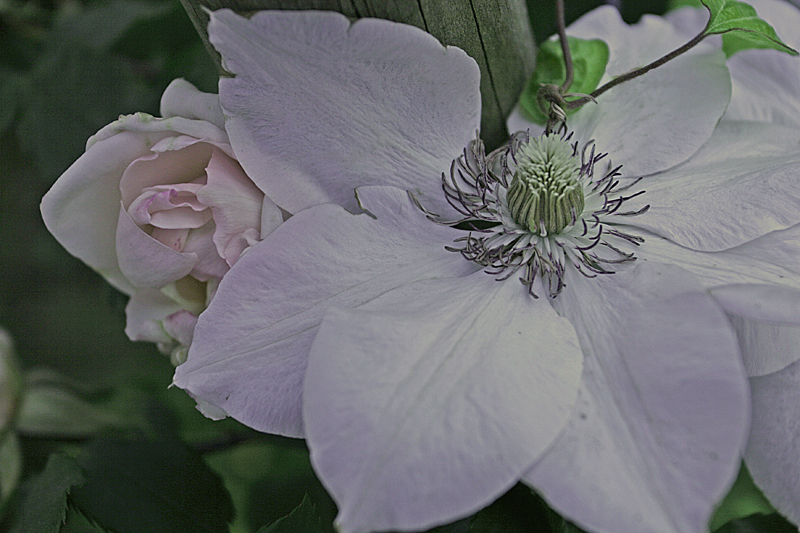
[772,303]
[743,183]
[767,347]
[773,451]
[82,207]
[427,403]
[766,83]
[182,99]
[144,261]
[236,203]
[657,436]
[319,106]
[250,346]
[769,261]
[658,120]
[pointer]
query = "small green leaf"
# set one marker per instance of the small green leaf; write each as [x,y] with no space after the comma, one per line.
[155,486]
[303,519]
[589,60]
[752,31]
[45,505]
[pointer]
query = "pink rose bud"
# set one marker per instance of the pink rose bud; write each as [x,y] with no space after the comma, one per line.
[162,209]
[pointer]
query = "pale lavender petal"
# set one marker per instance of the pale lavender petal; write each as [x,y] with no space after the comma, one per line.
[426,404]
[771,303]
[742,184]
[146,262]
[767,347]
[237,206]
[144,312]
[658,433]
[766,83]
[250,346]
[182,99]
[658,120]
[762,268]
[773,451]
[319,106]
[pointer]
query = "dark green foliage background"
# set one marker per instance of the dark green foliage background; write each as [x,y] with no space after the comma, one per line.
[67,68]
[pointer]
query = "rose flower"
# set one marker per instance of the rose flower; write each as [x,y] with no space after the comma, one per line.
[162,209]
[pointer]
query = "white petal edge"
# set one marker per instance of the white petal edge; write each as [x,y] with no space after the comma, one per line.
[183,99]
[250,346]
[742,184]
[428,403]
[769,262]
[766,347]
[658,120]
[766,83]
[319,106]
[82,206]
[657,436]
[773,451]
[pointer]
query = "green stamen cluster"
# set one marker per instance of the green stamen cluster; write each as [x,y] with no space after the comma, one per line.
[545,194]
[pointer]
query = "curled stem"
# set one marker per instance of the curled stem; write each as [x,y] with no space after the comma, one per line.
[562,36]
[574,104]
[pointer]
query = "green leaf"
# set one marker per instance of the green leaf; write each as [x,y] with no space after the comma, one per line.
[759,523]
[303,519]
[10,465]
[45,505]
[54,411]
[752,31]
[743,499]
[155,486]
[589,60]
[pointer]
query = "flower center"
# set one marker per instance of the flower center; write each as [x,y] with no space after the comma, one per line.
[537,206]
[545,194]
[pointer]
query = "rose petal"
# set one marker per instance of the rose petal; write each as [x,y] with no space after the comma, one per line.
[658,434]
[146,262]
[144,312]
[658,120]
[250,346]
[170,207]
[144,123]
[236,203]
[209,264]
[319,106]
[165,168]
[82,207]
[743,183]
[773,451]
[428,403]
[182,99]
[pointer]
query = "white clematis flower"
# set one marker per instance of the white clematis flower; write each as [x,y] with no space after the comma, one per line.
[766,87]
[426,387]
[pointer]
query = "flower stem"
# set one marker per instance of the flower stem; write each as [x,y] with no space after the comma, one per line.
[562,36]
[574,104]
